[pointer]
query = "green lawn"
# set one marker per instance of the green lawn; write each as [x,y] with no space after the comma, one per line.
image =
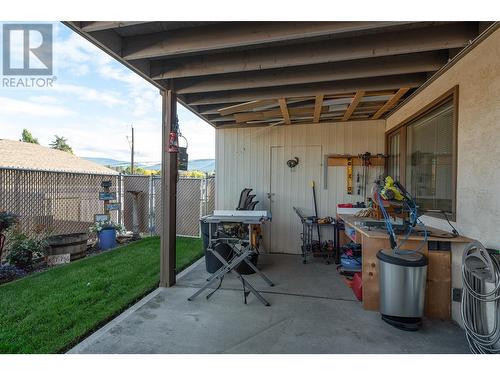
[53,310]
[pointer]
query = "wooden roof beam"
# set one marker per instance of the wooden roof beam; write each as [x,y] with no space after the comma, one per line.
[254,116]
[337,87]
[284,110]
[366,46]
[391,102]
[211,109]
[226,35]
[93,26]
[375,67]
[355,101]
[244,107]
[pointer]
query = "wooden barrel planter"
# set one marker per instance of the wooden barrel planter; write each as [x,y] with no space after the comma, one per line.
[74,244]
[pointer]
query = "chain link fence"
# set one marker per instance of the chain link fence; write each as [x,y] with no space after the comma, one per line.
[195,198]
[51,203]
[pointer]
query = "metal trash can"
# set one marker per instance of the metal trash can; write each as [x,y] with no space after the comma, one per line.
[402,280]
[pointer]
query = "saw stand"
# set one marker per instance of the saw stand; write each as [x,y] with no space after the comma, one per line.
[243,251]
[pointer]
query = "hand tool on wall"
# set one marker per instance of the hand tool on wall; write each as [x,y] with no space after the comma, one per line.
[365,160]
[357,184]
[349,176]
[366,164]
[315,208]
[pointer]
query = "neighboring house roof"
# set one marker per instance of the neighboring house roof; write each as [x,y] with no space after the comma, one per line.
[21,155]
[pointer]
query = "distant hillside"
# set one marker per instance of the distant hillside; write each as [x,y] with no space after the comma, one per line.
[203,165]
[108,162]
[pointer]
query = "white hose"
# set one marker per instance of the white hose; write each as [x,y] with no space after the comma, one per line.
[479,269]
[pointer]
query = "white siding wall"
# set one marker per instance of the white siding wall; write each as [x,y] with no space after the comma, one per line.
[243,159]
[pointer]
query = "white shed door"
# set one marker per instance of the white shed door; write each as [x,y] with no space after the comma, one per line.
[291,187]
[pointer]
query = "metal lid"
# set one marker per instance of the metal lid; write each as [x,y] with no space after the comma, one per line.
[413,259]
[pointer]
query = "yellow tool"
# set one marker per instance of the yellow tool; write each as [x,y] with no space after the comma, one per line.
[325,220]
[256,235]
[349,176]
[390,192]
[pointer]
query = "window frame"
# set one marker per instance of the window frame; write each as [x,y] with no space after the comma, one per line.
[401,128]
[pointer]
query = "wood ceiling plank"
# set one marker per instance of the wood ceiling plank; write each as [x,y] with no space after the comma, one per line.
[391,102]
[365,84]
[244,106]
[355,101]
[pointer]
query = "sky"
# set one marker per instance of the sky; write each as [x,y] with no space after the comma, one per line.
[93,103]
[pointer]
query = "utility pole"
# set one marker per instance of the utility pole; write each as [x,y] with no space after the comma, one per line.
[132,153]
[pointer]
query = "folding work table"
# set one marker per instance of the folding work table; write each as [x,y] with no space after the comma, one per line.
[242,247]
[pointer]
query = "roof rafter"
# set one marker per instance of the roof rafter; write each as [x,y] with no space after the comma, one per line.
[338,87]
[284,110]
[318,103]
[383,44]
[237,34]
[253,116]
[243,107]
[355,101]
[371,67]
[391,102]
[106,25]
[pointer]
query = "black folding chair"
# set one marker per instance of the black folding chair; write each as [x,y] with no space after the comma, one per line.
[243,199]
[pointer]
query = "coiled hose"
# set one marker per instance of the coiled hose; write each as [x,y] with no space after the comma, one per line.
[481,283]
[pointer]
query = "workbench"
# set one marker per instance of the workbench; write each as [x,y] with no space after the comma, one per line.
[438,290]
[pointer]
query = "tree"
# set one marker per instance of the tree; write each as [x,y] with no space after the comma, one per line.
[137,170]
[193,174]
[60,143]
[28,137]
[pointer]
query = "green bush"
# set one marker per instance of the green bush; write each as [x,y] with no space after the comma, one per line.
[7,220]
[23,249]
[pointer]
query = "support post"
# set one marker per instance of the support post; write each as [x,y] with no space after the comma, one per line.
[168,192]
[132,152]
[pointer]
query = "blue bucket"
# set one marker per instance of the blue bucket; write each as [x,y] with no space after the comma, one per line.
[107,239]
[350,263]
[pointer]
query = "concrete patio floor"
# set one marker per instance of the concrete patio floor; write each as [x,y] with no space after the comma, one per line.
[312,311]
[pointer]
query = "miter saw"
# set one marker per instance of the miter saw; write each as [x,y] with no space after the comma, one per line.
[402,273]
[393,200]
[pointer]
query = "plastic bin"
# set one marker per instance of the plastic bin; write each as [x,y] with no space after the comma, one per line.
[107,239]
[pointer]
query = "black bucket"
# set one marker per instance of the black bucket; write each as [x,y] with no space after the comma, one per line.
[245,269]
[211,262]
[205,228]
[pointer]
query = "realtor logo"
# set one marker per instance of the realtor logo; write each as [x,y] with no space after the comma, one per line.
[27,49]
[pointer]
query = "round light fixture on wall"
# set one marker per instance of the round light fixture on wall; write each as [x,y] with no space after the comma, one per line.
[292,163]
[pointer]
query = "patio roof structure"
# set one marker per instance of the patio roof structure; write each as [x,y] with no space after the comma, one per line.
[257,74]
[240,74]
